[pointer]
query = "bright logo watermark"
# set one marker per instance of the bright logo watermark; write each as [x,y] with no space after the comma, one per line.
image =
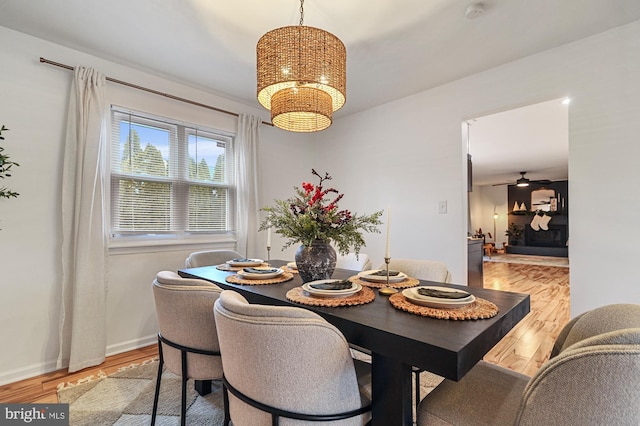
[38,414]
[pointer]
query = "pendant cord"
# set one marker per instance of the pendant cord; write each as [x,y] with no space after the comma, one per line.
[301,12]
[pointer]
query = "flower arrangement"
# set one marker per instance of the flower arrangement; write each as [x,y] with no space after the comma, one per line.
[313,214]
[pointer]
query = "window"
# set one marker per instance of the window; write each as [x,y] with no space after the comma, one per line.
[169,178]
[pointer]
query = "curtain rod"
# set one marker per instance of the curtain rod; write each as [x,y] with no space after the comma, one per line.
[155,92]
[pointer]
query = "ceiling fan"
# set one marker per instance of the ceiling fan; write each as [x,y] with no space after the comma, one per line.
[524,181]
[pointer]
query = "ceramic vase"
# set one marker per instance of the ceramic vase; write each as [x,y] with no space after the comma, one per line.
[316,262]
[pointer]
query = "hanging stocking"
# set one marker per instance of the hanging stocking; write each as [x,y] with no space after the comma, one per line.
[544,222]
[535,223]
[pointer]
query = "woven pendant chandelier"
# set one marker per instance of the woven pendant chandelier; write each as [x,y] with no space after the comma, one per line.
[302,76]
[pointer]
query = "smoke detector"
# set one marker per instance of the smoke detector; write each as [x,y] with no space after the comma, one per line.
[474,10]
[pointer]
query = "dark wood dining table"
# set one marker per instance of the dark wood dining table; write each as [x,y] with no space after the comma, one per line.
[396,339]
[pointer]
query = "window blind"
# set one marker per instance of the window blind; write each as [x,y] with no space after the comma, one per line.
[169,177]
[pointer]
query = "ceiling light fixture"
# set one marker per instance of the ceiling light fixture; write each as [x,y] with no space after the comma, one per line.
[302,76]
[523,181]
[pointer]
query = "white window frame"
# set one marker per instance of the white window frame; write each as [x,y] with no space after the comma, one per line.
[180,182]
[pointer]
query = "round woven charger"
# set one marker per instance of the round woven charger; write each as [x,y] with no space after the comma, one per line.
[298,295]
[289,269]
[406,283]
[228,268]
[237,279]
[480,309]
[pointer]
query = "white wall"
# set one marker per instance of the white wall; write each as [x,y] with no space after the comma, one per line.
[34,104]
[410,154]
[483,202]
[286,160]
[407,154]
[393,156]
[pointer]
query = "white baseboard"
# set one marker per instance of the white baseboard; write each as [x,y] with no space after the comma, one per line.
[33,370]
[132,344]
[49,366]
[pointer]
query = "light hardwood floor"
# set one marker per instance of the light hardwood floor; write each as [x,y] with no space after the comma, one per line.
[42,389]
[524,349]
[529,344]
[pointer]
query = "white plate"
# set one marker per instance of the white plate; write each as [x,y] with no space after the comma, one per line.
[254,276]
[292,265]
[246,262]
[366,275]
[355,287]
[436,302]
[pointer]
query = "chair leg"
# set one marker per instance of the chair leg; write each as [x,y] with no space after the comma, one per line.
[225,397]
[158,380]
[183,406]
[416,372]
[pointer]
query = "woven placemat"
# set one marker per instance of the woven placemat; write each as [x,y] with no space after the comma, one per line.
[289,269]
[228,268]
[406,283]
[237,279]
[298,295]
[480,309]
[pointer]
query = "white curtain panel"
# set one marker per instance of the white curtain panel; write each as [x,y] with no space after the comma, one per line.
[83,304]
[247,142]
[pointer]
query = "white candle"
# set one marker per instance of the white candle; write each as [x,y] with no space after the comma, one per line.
[387,253]
[269,237]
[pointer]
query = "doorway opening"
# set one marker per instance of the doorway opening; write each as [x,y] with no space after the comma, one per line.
[528,144]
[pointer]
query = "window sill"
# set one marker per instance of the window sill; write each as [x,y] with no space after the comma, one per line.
[121,246]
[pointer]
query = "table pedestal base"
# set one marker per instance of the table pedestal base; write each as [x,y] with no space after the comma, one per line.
[391,392]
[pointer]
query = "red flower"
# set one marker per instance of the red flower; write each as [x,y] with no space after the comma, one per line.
[317,196]
[308,187]
[314,214]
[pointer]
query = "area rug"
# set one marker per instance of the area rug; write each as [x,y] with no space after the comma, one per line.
[525,259]
[126,398]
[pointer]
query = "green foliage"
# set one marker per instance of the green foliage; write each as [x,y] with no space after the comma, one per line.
[514,231]
[147,161]
[151,209]
[310,216]
[5,169]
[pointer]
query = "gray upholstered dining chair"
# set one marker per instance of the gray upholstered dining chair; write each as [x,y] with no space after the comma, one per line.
[287,365]
[428,270]
[591,378]
[359,262]
[209,258]
[187,340]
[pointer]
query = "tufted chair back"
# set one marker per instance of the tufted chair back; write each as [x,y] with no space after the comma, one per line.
[597,321]
[184,308]
[284,357]
[428,270]
[593,381]
[209,258]
[361,262]
[188,341]
[593,377]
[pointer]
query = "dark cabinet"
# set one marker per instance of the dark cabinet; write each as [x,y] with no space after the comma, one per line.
[474,270]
